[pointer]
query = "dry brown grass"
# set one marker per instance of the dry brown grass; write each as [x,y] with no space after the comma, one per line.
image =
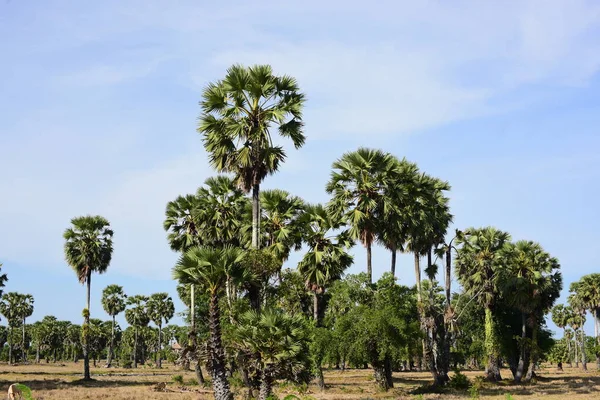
[53,382]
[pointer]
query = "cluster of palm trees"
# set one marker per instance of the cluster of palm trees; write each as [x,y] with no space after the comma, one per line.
[16,308]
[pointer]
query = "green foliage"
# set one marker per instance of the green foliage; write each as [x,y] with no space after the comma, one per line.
[177,379]
[25,391]
[459,381]
[509,396]
[193,382]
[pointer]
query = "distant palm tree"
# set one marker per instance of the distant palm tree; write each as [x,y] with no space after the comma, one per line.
[358,186]
[113,302]
[137,316]
[327,257]
[588,290]
[160,309]
[210,269]
[478,265]
[3,279]
[237,116]
[25,310]
[9,307]
[577,321]
[88,249]
[560,317]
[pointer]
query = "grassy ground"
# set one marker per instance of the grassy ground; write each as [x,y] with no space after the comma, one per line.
[53,382]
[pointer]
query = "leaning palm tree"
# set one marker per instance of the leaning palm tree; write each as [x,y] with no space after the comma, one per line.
[210,269]
[327,257]
[137,316]
[25,310]
[88,249]
[113,302]
[9,307]
[160,309]
[358,185]
[237,116]
[478,265]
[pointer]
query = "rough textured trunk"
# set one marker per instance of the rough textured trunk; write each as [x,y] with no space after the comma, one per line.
[380,376]
[112,344]
[393,269]
[255,216]
[418,276]
[320,378]
[216,356]
[520,370]
[568,347]
[266,384]
[533,358]
[198,371]
[583,352]
[492,348]
[193,308]
[369,262]
[316,308]
[159,346]
[135,348]
[388,372]
[576,347]
[86,339]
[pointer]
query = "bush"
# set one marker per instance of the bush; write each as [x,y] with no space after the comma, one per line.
[127,364]
[193,382]
[476,387]
[459,381]
[177,379]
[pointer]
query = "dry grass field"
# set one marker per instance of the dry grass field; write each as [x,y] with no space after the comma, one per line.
[53,382]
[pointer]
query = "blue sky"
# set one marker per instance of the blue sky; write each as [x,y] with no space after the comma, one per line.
[100,99]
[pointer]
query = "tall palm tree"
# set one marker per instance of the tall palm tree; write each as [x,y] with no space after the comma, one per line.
[160,309]
[210,269]
[577,322]
[88,249]
[237,116]
[560,316]
[358,185]
[588,291]
[478,264]
[114,303]
[9,307]
[532,277]
[25,309]
[327,257]
[137,316]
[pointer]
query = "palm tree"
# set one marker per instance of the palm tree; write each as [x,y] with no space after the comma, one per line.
[113,302]
[25,309]
[588,290]
[3,279]
[326,258]
[88,249]
[533,279]
[137,316]
[478,264]
[9,307]
[358,185]
[577,322]
[560,316]
[160,309]
[210,269]
[238,113]
[278,340]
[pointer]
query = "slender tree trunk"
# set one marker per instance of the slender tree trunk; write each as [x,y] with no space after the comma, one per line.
[393,270]
[521,367]
[266,384]
[135,348]
[369,262]
[583,352]
[192,308]
[533,358]
[10,359]
[216,357]
[86,339]
[255,216]
[320,378]
[576,346]
[419,309]
[418,276]
[568,347]
[112,344]
[492,347]
[198,371]
[37,354]
[160,345]
[448,279]
[316,308]
[23,353]
[597,333]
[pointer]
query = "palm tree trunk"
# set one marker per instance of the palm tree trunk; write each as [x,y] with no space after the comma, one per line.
[86,339]
[10,360]
[255,216]
[199,376]
[491,347]
[266,384]
[448,279]
[316,308]
[521,366]
[160,345]
[216,356]
[369,264]
[533,358]
[23,354]
[393,270]
[576,346]
[37,354]
[597,332]
[192,308]
[568,347]
[583,353]
[418,276]
[419,307]
[135,348]
[112,344]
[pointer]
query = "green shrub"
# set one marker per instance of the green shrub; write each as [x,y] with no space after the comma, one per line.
[459,381]
[193,382]
[177,379]
[509,396]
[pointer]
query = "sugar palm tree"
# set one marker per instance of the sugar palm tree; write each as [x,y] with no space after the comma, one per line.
[137,316]
[588,291]
[478,264]
[210,269]
[278,340]
[88,249]
[3,279]
[9,307]
[114,303]
[238,114]
[577,322]
[25,309]
[326,258]
[358,186]
[160,309]
[560,316]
